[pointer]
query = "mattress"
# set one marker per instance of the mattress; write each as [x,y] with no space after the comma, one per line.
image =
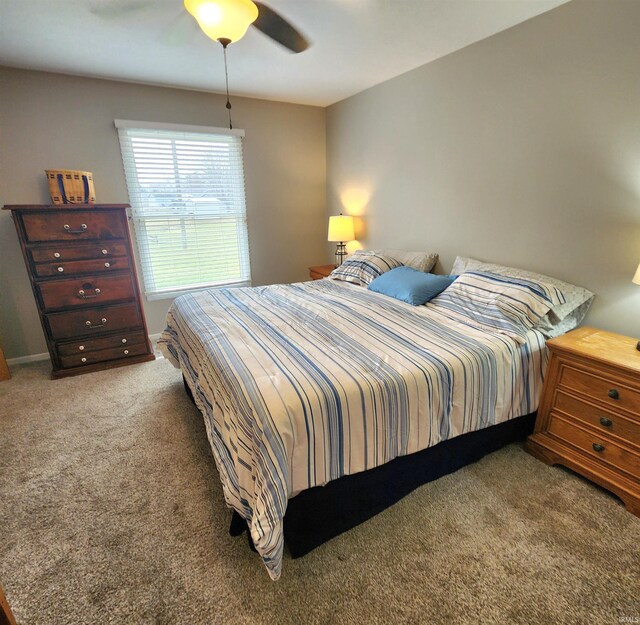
[302,384]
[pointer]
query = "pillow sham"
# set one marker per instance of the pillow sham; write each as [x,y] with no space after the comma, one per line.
[362,268]
[561,318]
[410,285]
[422,261]
[497,303]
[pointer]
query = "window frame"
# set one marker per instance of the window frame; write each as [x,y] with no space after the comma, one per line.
[140,227]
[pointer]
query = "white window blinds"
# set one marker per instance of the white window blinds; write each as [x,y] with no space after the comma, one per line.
[186,189]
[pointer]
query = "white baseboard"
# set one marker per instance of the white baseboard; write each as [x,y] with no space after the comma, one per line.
[22,360]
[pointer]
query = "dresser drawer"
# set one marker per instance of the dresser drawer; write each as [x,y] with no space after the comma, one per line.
[81,251]
[605,421]
[600,388]
[93,321]
[102,355]
[73,225]
[86,291]
[595,445]
[122,339]
[98,265]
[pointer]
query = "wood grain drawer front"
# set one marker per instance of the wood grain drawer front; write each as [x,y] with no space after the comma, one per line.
[605,421]
[596,446]
[74,225]
[73,267]
[93,321]
[82,251]
[122,339]
[602,389]
[86,291]
[102,355]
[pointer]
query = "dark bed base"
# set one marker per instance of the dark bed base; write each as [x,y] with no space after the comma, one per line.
[316,515]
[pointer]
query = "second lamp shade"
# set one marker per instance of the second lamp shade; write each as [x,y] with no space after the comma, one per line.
[341,228]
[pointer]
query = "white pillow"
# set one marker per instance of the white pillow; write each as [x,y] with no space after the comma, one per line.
[559,319]
[422,261]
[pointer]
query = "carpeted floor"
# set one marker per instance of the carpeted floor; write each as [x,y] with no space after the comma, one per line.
[111,512]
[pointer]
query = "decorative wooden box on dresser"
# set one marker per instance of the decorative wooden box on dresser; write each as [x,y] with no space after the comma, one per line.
[84,280]
[589,414]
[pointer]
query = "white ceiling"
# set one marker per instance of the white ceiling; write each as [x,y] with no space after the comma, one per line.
[355,43]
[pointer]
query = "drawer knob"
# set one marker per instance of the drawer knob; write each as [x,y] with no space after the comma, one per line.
[67,228]
[606,422]
[81,348]
[103,322]
[124,340]
[60,269]
[105,251]
[56,254]
[598,447]
[82,294]
[107,265]
[84,359]
[613,393]
[126,351]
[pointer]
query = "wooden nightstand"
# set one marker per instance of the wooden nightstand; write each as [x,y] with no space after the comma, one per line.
[320,271]
[589,414]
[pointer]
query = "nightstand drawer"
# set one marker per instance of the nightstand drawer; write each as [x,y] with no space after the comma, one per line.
[602,389]
[605,421]
[596,446]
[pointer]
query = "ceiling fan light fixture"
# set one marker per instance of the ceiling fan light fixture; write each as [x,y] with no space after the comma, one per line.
[223,19]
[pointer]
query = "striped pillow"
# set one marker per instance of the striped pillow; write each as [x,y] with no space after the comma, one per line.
[362,268]
[497,303]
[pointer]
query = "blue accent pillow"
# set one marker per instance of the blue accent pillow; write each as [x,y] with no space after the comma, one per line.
[410,285]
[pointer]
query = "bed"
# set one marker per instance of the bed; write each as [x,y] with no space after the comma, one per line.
[326,383]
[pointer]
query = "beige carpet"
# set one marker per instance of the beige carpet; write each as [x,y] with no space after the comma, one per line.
[111,512]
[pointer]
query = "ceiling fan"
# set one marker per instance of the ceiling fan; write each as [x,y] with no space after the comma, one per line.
[225,21]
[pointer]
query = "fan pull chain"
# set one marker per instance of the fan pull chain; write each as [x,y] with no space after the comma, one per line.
[225,43]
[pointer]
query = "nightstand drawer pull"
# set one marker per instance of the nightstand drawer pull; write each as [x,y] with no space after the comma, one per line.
[98,325]
[598,447]
[606,422]
[613,393]
[83,227]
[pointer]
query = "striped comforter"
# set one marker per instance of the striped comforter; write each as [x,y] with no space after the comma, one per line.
[301,384]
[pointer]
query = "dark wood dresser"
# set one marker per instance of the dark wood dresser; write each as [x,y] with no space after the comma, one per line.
[589,414]
[83,276]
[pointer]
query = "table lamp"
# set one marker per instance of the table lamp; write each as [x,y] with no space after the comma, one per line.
[341,231]
[636,280]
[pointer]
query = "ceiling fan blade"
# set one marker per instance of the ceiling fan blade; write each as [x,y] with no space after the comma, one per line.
[277,28]
[109,9]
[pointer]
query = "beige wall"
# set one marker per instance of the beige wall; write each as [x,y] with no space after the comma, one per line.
[522,149]
[55,121]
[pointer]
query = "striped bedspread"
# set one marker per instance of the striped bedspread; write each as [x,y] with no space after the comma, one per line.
[301,384]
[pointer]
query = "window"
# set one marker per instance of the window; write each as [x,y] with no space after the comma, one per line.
[186,189]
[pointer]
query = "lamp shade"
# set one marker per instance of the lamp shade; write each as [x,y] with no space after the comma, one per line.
[341,228]
[636,278]
[223,19]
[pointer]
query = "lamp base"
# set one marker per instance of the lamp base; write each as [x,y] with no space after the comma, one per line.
[341,252]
